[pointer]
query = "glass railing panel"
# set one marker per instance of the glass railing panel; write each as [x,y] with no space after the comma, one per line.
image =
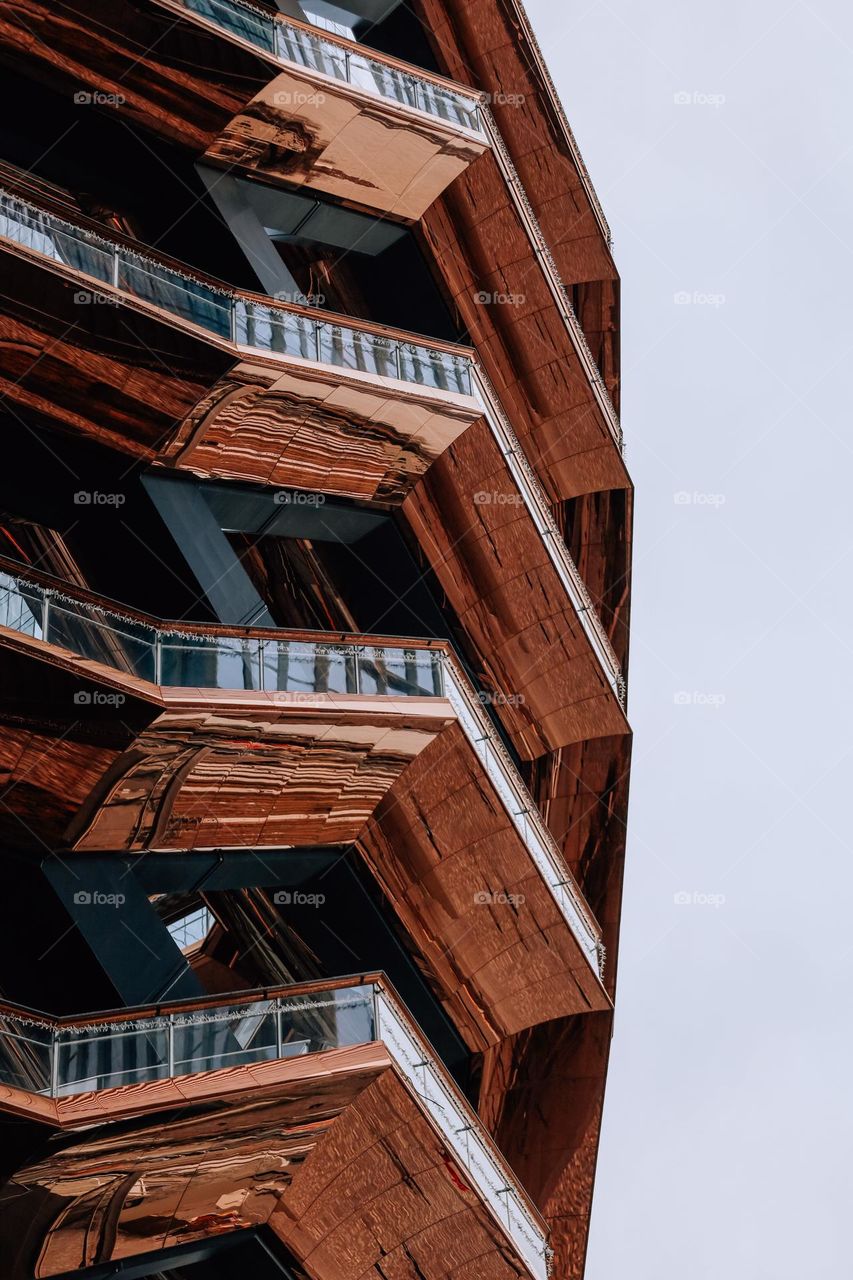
[268,329]
[242,22]
[224,1038]
[86,1061]
[355,349]
[221,662]
[25,1054]
[21,608]
[123,645]
[313,52]
[407,89]
[71,1060]
[184,298]
[249,323]
[39,232]
[309,668]
[437,369]
[400,672]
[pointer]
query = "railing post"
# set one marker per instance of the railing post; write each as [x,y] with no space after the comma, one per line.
[347,68]
[279,1041]
[45,615]
[261,665]
[158,660]
[54,1064]
[115,275]
[376,1017]
[356,670]
[170,1049]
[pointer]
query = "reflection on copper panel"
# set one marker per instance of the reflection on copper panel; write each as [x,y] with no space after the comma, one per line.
[308,132]
[314,429]
[242,777]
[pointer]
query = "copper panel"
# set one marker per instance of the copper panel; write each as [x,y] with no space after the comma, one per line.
[489,43]
[219,768]
[501,582]
[225,772]
[445,852]
[312,131]
[504,300]
[313,428]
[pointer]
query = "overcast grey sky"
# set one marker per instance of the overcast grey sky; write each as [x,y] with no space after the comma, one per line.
[727,1135]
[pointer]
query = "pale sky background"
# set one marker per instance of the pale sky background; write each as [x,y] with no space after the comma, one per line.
[728,1144]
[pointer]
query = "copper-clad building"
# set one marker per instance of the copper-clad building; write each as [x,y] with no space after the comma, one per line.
[315,545]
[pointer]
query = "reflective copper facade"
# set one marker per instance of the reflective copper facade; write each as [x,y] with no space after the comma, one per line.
[314,614]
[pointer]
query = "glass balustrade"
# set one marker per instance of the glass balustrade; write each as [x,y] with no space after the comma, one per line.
[59,1060]
[260,326]
[317,53]
[218,662]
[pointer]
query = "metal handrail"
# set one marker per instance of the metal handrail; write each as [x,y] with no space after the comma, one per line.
[301,44]
[265,325]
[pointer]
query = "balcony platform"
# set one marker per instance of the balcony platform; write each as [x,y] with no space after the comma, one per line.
[411,773]
[298,1135]
[281,99]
